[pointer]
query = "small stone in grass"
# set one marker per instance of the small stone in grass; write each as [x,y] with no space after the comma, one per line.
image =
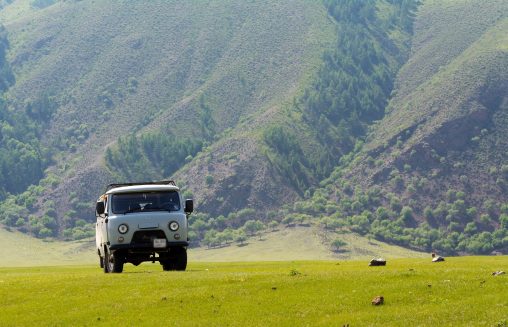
[438,259]
[377,262]
[378,300]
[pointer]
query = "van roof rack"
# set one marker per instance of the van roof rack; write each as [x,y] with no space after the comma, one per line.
[166,182]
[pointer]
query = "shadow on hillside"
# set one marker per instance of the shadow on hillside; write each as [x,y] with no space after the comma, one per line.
[215,247]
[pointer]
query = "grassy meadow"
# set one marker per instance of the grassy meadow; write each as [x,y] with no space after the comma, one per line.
[20,250]
[457,292]
[286,244]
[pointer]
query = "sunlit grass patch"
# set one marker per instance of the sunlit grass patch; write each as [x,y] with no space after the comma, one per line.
[459,291]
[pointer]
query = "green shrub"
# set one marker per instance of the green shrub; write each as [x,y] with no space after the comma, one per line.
[395,204]
[45,232]
[406,214]
[338,244]
[20,222]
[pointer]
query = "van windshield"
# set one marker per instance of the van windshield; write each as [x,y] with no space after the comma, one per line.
[123,203]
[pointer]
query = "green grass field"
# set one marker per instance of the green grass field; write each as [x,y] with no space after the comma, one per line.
[457,292]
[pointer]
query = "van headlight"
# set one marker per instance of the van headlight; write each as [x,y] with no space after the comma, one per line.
[173,226]
[123,228]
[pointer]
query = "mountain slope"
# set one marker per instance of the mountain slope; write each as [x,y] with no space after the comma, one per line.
[176,69]
[301,143]
[385,117]
[243,99]
[432,173]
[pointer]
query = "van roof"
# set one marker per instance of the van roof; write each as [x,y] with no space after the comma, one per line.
[142,188]
[164,182]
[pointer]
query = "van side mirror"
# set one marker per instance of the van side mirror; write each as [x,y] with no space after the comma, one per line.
[189,206]
[99,208]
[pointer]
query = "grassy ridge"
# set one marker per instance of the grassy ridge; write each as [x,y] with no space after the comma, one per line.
[458,292]
[286,244]
[21,250]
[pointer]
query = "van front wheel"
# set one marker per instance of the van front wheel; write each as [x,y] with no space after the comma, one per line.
[113,264]
[177,260]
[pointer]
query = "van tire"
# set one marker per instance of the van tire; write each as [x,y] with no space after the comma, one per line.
[178,260]
[113,263]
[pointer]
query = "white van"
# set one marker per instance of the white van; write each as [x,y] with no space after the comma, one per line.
[139,222]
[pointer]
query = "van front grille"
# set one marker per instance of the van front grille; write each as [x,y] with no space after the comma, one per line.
[147,237]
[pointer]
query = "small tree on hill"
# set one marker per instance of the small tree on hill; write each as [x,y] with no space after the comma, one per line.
[338,244]
[273,225]
[250,227]
[228,235]
[260,226]
[210,238]
[288,220]
[240,237]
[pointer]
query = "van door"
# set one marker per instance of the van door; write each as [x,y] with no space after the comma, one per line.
[101,236]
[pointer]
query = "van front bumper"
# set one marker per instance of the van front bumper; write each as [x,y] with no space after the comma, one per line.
[147,246]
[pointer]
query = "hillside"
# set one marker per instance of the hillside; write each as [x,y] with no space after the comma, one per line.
[286,245]
[385,118]
[236,112]
[100,74]
[432,172]
[20,250]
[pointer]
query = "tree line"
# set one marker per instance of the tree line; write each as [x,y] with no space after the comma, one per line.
[150,156]
[22,158]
